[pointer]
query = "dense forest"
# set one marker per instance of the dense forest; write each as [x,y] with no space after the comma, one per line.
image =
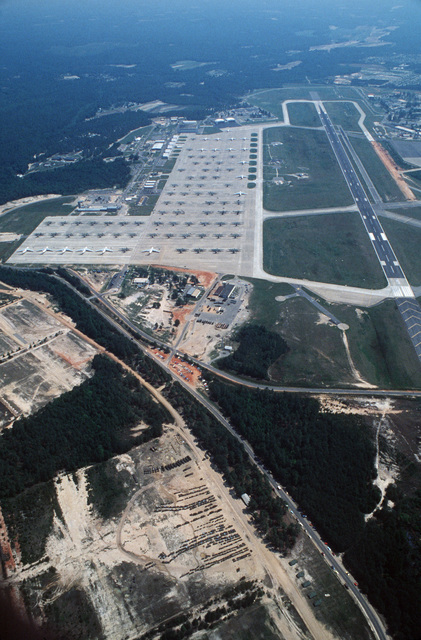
[229,457]
[258,348]
[326,461]
[89,424]
[75,178]
[386,559]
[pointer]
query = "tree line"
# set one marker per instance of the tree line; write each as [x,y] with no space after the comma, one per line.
[257,350]
[325,460]
[88,424]
[87,319]
[386,559]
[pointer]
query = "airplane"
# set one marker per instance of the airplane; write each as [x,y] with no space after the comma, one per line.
[202,149]
[45,249]
[25,250]
[243,162]
[232,138]
[64,250]
[234,250]
[197,250]
[84,250]
[241,177]
[104,250]
[240,193]
[151,250]
[230,149]
[180,250]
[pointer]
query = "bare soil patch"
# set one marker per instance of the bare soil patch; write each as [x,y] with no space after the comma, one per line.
[394,170]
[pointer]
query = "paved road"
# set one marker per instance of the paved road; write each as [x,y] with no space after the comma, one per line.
[374,193]
[330,559]
[393,271]
[319,307]
[387,258]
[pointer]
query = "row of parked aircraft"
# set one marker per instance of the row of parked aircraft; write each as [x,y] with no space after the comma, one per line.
[81,251]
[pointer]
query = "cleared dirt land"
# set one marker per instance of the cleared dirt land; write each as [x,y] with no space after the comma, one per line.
[39,358]
[150,534]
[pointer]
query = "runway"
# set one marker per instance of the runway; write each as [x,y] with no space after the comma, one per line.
[400,287]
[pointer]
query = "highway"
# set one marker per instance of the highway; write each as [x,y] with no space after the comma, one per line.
[408,307]
[332,560]
[100,297]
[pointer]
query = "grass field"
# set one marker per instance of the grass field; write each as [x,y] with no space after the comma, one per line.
[265,308]
[301,151]
[144,210]
[303,114]
[142,131]
[330,248]
[271,99]
[317,355]
[25,219]
[414,179]
[380,346]
[382,180]
[344,114]
[405,241]
[378,341]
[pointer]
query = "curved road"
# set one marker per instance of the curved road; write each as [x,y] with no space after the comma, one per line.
[332,560]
